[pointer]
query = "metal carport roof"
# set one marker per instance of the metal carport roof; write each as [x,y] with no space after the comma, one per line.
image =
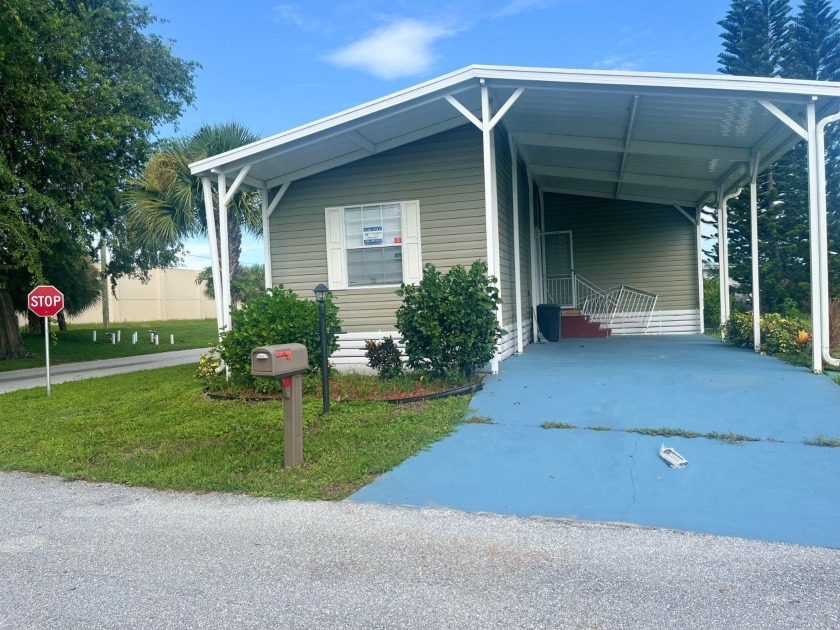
[668,138]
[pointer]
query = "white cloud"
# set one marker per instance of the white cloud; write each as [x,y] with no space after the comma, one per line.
[617,62]
[520,6]
[399,49]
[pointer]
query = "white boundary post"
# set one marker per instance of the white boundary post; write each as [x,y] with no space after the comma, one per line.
[814,238]
[756,292]
[517,267]
[823,246]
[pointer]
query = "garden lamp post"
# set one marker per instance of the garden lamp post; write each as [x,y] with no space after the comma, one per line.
[321,292]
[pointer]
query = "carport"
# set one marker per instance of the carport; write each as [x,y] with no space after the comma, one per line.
[676,140]
[610,394]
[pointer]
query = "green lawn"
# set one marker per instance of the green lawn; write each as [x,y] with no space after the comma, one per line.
[76,343]
[155,428]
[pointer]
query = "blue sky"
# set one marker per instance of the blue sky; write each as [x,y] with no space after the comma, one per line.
[273,65]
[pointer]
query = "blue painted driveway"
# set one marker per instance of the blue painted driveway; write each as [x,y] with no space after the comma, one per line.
[777,489]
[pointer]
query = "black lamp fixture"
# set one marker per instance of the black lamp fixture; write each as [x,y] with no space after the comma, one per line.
[321,292]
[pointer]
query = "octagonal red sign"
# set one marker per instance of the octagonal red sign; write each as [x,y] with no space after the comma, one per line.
[45,301]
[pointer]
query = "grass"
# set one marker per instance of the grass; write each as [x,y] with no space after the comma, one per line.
[667,432]
[557,425]
[76,343]
[822,440]
[156,429]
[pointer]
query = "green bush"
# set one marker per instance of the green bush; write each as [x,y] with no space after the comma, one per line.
[448,321]
[276,316]
[384,357]
[779,335]
[711,303]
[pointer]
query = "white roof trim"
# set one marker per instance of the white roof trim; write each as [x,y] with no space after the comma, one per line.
[455,81]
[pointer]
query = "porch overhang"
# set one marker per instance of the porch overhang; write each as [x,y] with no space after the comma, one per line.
[664,138]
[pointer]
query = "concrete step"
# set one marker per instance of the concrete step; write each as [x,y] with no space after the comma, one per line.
[581,327]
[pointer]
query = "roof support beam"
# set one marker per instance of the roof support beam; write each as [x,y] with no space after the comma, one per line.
[624,197]
[504,108]
[277,197]
[685,213]
[627,135]
[663,181]
[235,185]
[639,147]
[253,182]
[790,122]
[363,142]
[467,113]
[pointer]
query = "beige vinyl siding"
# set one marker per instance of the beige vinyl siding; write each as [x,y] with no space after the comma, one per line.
[505,203]
[444,172]
[646,246]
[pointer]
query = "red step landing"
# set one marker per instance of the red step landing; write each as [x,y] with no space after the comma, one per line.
[580,327]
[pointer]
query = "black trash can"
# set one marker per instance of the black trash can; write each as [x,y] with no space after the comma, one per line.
[548,321]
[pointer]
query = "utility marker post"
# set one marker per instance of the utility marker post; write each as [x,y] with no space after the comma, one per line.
[46,301]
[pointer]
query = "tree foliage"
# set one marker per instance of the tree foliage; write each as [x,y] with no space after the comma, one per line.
[250,281]
[763,38]
[166,202]
[82,88]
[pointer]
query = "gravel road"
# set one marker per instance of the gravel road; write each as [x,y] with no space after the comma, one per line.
[82,555]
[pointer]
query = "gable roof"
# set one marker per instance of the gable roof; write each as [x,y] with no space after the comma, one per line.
[670,138]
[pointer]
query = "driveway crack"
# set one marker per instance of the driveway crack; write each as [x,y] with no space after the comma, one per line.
[632,478]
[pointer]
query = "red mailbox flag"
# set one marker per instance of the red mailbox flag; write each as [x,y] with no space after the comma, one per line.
[45,301]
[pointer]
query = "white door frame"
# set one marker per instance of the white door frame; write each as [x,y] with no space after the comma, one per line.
[571,261]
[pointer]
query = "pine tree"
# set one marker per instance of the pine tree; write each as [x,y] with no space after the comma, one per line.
[762,39]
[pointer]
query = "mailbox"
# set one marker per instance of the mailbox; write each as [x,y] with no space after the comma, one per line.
[286,362]
[285,359]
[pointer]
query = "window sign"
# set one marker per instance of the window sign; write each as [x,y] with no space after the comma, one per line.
[373,235]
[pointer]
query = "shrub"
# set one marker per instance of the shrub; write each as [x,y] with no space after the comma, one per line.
[276,316]
[711,303]
[384,357]
[207,364]
[448,321]
[779,335]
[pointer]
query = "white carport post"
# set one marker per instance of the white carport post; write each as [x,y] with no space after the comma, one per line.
[267,210]
[210,214]
[814,235]
[266,234]
[225,247]
[698,236]
[535,298]
[491,203]
[723,254]
[823,245]
[517,266]
[756,294]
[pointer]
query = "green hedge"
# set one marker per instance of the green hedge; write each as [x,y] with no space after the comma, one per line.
[780,335]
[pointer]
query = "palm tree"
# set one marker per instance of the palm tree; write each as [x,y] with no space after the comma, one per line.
[166,204]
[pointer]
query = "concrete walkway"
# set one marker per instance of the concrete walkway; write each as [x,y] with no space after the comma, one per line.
[36,377]
[776,489]
[80,555]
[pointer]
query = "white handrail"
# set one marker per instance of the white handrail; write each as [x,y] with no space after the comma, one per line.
[621,303]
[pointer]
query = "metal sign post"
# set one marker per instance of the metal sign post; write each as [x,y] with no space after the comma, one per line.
[46,301]
[47,346]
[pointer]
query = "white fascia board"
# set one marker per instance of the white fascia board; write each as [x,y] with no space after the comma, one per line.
[661,80]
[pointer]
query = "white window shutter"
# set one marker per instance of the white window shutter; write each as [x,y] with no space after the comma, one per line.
[336,258]
[412,258]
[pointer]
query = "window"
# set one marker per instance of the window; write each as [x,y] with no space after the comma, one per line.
[373,245]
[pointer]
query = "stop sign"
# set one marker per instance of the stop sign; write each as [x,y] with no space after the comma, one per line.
[45,301]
